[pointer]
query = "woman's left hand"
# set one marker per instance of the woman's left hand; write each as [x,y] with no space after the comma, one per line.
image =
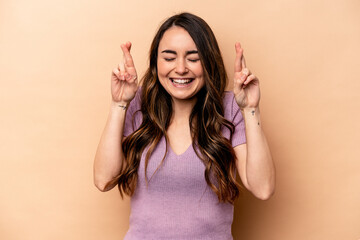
[246,85]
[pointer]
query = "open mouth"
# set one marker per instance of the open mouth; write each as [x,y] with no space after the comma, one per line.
[181,81]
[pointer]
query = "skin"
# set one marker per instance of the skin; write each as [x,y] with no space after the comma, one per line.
[124,82]
[178,59]
[254,162]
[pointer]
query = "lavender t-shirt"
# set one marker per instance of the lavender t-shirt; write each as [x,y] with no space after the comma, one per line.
[178,203]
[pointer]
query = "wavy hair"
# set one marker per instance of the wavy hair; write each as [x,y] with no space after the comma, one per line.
[206,119]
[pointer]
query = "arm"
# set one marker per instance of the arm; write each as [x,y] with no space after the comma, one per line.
[109,156]
[254,161]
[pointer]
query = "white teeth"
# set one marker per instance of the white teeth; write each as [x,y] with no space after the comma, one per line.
[181,81]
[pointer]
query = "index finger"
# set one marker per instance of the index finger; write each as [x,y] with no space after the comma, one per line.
[129,63]
[238,58]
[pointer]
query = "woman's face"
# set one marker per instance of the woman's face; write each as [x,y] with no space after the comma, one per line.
[179,68]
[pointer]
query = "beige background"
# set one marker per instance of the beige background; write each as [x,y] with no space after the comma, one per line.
[55,62]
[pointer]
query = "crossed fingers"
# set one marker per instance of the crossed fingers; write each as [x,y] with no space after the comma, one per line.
[128,61]
[126,69]
[242,74]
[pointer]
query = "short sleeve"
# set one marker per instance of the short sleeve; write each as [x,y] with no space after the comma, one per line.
[232,113]
[133,115]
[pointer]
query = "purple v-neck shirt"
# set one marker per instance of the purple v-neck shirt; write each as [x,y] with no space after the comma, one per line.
[178,203]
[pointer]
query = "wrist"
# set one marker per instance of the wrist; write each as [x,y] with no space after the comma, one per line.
[119,105]
[251,116]
[252,110]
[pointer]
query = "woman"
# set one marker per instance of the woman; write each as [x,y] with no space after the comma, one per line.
[184,136]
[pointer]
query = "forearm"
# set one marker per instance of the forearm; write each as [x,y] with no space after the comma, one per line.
[260,170]
[109,155]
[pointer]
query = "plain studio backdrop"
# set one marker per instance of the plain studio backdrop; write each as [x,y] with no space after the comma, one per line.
[56,59]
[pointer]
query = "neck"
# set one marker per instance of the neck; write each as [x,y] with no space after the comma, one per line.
[182,110]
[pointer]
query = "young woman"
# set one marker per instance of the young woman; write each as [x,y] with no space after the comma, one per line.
[176,143]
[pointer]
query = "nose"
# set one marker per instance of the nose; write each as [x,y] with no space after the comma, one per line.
[181,67]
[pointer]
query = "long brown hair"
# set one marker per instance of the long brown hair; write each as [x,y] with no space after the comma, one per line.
[206,119]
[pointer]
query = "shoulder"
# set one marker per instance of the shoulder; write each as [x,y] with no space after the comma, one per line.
[228,97]
[230,106]
[135,104]
[133,116]
[134,108]
[233,114]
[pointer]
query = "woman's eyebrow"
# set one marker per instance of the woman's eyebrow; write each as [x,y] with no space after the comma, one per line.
[192,52]
[169,51]
[187,52]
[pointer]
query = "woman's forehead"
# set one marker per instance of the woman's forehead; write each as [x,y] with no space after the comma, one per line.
[177,39]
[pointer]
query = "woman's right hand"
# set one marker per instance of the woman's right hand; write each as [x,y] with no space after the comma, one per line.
[124,83]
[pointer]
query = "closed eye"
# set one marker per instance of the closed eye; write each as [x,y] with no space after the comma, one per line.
[169,59]
[194,60]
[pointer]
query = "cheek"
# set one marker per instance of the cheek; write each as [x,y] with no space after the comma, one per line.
[161,69]
[200,73]
[198,70]
[161,73]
